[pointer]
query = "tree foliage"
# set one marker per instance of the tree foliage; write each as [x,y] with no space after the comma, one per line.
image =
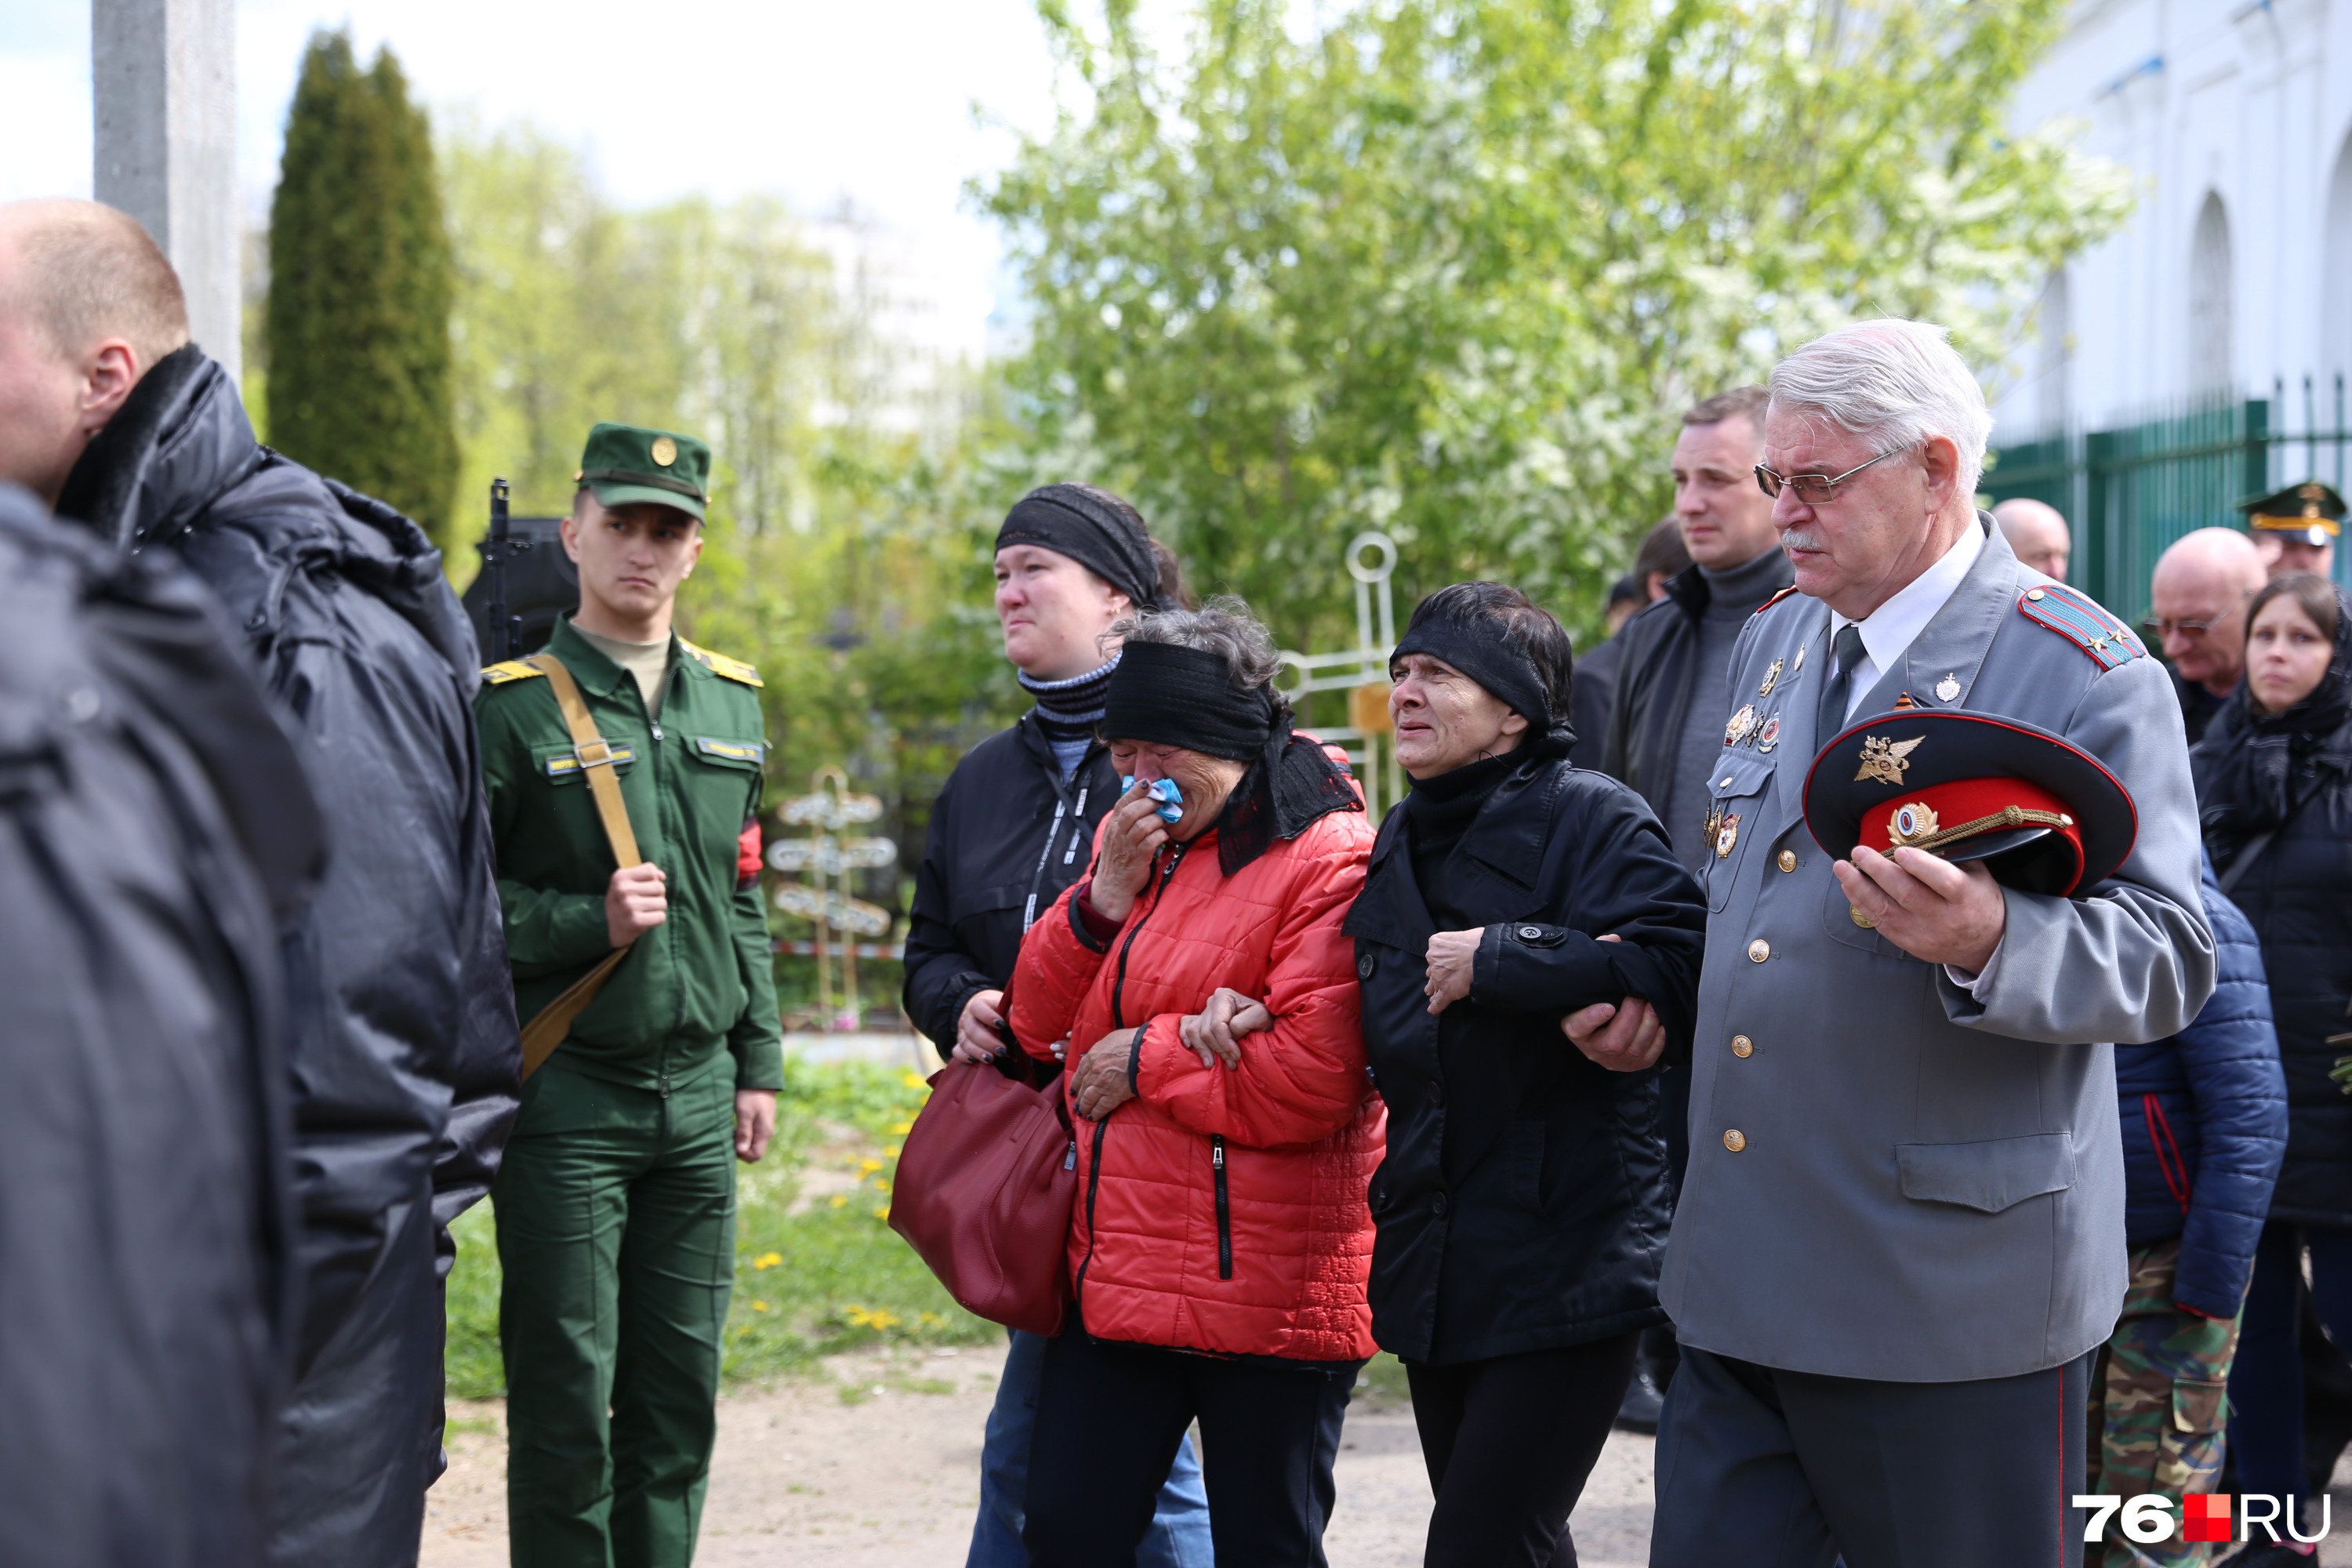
[357,325]
[1454,267]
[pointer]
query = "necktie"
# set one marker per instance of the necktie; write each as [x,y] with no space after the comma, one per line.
[1830,717]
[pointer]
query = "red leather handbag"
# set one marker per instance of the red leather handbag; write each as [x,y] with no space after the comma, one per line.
[986,1177]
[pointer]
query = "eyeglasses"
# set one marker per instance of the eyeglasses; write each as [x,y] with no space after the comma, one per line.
[2160,630]
[1816,490]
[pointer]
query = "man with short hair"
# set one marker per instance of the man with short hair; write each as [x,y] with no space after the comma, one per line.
[1900,1238]
[2197,609]
[402,1048]
[2037,534]
[616,1203]
[1667,720]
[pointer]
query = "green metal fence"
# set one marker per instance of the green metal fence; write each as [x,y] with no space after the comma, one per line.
[2130,492]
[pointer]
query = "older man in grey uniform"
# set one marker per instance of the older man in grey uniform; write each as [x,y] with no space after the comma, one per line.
[1901,1236]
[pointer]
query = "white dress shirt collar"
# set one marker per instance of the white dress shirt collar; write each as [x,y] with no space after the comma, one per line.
[1888,631]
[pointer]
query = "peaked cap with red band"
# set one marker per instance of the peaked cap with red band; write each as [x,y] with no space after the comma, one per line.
[2042,815]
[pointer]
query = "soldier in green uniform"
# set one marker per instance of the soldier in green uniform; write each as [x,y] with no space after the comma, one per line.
[616,1203]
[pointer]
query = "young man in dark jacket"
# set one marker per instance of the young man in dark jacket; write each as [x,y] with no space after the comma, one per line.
[2204,1124]
[402,1041]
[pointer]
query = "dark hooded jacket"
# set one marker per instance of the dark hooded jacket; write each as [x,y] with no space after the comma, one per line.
[1007,834]
[2204,1121]
[159,832]
[2291,775]
[404,1051]
[1522,1205]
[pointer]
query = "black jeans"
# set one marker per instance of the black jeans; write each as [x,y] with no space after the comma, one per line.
[1509,1443]
[1109,1416]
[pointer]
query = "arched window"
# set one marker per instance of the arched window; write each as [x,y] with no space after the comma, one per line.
[2211,365]
[2334,308]
[2053,386]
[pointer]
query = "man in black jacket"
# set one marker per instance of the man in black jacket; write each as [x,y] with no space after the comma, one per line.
[1667,725]
[156,832]
[403,1040]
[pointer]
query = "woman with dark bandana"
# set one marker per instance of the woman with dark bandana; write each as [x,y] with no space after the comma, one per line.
[1010,831]
[1521,1210]
[1225,1127]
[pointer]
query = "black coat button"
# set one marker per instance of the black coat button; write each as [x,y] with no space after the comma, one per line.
[1364,967]
[1434,1091]
[1439,1205]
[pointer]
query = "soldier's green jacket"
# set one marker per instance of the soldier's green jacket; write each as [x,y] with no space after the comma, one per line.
[699,986]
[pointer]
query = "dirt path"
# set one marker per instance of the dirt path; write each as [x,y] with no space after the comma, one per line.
[802,1480]
[875,1466]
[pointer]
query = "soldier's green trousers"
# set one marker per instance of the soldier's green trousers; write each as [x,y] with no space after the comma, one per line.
[2159,1415]
[616,1236]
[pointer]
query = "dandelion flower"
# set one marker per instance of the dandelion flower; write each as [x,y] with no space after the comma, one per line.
[759,1306]
[767,1261]
[840,1200]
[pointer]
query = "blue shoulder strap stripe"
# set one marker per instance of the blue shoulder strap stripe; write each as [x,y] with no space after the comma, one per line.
[2082,621]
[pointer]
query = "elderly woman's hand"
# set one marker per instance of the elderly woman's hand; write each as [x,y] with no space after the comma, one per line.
[1099,1084]
[976,1036]
[1452,956]
[1625,1038]
[1213,1034]
[1129,840]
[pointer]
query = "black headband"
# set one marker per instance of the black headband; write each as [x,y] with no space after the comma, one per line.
[1172,696]
[1478,653]
[1069,521]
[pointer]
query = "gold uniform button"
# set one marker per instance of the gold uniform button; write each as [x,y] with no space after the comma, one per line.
[1734,1140]
[1759,950]
[1787,860]
[1741,1046]
[664,451]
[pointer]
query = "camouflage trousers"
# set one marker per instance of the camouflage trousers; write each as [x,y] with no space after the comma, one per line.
[2159,1416]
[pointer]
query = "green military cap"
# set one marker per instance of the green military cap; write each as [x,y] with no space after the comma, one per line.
[625,464]
[2310,512]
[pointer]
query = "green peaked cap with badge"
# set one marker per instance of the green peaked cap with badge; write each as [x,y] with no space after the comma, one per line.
[2310,512]
[627,465]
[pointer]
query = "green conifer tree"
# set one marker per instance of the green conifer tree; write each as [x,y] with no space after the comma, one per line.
[361,281]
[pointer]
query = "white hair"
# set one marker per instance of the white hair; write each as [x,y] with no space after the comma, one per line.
[1893,381]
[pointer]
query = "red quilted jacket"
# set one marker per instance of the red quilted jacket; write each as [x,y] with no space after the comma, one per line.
[1221,1209]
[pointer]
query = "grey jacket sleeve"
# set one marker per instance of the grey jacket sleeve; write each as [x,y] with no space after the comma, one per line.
[2134,961]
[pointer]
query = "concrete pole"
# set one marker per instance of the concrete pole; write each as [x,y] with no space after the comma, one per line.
[165,79]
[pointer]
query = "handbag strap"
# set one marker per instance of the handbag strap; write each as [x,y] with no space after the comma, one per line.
[553,1022]
[2244,860]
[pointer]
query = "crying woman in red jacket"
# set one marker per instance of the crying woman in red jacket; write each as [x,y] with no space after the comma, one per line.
[1226,1128]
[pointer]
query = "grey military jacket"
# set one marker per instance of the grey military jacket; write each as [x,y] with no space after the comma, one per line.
[1890,1177]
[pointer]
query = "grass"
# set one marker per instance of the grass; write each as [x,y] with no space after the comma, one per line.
[817,1272]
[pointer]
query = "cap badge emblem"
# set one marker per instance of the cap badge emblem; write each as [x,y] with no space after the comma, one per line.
[1912,823]
[1769,736]
[1886,758]
[1948,689]
[1771,680]
[1727,835]
[665,450]
[1741,722]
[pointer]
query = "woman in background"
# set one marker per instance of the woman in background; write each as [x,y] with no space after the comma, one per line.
[1014,828]
[2275,792]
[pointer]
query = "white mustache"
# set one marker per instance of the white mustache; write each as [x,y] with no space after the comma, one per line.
[1798,539]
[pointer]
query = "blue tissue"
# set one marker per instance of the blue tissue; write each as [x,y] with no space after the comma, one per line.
[1164,790]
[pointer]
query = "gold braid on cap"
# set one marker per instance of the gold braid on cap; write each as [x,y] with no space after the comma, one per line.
[2007,817]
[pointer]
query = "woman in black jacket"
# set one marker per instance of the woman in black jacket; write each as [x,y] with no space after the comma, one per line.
[1521,1209]
[2275,791]
[1015,825]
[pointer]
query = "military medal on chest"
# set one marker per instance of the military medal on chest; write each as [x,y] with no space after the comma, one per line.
[1799,664]
[1741,722]
[1771,680]
[1727,834]
[1948,689]
[1769,735]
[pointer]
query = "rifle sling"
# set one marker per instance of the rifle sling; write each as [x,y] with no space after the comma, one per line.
[547,1030]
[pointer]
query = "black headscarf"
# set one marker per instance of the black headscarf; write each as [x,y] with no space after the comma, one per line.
[2254,771]
[1445,628]
[1172,696]
[1076,522]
